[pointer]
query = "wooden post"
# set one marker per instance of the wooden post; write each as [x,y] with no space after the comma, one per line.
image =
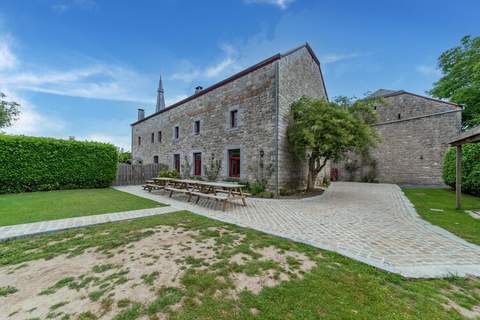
[458,181]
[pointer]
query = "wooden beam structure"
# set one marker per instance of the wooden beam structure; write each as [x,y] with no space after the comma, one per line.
[458,178]
[469,136]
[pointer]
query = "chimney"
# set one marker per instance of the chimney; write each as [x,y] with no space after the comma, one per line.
[141,114]
[198,89]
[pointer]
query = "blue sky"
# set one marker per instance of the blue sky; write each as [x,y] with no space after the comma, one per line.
[82,67]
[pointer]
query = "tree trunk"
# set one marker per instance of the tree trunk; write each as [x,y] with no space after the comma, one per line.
[314,168]
[312,175]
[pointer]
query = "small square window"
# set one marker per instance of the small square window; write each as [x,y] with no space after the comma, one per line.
[196,127]
[155,159]
[177,132]
[234,119]
[399,116]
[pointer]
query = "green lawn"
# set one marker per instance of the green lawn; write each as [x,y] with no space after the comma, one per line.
[41,206]
[455,221]
[336,288]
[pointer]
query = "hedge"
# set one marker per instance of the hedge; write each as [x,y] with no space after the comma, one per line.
[40,164]
[470,168]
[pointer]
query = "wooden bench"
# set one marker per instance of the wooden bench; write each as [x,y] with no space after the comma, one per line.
[211,196]
[151,186]
[173,189]
[245,194]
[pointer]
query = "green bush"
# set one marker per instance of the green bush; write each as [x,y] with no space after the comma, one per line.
[40,164]
[169,174]
[470,168]
[257,188]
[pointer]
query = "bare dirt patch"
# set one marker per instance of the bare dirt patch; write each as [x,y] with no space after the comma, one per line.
[146,275]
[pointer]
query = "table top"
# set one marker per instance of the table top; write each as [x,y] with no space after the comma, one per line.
[205,183]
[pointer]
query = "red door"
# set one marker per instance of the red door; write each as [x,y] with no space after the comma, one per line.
[197,160]
[176,161]
[234,163]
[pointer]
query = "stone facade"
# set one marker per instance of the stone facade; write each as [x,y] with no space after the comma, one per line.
[261,95]
[414,132]
[299,76]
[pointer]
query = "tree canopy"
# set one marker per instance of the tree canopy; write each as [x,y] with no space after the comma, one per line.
[461,78]
[8,111]
[322,130]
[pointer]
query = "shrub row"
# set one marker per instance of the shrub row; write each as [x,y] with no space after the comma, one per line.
[470,168]
[39,164]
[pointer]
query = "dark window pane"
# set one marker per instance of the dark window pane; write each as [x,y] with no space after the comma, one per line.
[233,118]
[177,132]
[197,127]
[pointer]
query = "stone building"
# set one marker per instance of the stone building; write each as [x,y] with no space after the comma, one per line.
[415,131]
[241,120]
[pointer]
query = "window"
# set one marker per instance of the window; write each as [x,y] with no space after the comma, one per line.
[233,118]
[155,159]
[176,132]
[139,141]
[197,164]
[234,163]
[399,116]
[153,137]
[196,127]
[176,162]
[159,136]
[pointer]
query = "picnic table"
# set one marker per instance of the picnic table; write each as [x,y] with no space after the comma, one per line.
[219,191]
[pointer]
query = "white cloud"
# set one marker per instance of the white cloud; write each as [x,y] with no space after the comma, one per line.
[282,4]
[64,5]
[121,141]
[7,58]
[228,63]
[31,122]
[99,81]
[335,57]
[429,71]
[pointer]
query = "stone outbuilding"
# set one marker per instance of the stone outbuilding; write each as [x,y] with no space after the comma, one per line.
[415,132]
[241,121]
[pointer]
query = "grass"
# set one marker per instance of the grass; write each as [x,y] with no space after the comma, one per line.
[337,288]
[5,291]
[41,206]
[456,221]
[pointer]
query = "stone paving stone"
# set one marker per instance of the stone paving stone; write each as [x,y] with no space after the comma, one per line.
[372,223]
[23,230]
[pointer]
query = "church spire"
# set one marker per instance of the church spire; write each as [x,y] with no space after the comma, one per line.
[160,96]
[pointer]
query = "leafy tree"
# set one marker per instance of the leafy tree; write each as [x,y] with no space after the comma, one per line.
[8,111]
[461,80]
[321,131]
[124,157]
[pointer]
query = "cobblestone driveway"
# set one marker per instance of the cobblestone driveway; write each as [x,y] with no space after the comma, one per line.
[372,223]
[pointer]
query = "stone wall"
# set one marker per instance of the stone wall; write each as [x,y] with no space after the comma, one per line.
[411,150]
[405,106]
[299,75]
[252,94]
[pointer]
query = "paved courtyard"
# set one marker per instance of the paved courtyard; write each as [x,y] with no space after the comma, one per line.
[372,223]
